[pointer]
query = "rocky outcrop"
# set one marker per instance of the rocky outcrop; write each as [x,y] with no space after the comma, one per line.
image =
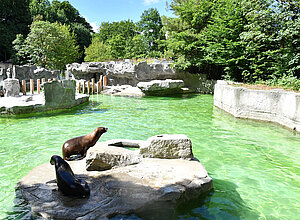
[161,87]
[122,72]
[27,72]
[135,184]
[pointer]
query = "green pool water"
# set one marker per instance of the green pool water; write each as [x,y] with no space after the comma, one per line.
[255,166]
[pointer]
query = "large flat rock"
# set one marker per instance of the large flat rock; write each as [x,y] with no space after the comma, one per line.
[141,188]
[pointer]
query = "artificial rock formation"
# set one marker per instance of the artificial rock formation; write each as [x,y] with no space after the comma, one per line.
[122,72]
[147,187]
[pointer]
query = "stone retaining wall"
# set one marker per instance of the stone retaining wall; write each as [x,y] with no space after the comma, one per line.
[268,105]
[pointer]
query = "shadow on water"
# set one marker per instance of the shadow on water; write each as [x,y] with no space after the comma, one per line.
[173,96]
[224,202]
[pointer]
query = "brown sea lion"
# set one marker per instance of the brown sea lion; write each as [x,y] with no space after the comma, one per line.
[80,145]
[67,183]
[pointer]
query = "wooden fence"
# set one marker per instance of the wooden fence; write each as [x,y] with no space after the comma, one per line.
[89,87]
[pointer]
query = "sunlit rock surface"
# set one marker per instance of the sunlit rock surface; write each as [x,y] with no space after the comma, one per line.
[146,187]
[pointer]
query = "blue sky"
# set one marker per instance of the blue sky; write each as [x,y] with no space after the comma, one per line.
[97,11]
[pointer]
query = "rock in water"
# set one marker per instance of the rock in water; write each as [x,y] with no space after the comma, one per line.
[161,87]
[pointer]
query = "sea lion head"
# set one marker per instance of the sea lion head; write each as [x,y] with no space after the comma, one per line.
[102,129]
[54,159]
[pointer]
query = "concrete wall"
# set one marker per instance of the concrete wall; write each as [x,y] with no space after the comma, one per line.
[268,105]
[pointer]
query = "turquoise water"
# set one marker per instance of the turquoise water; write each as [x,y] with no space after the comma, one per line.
[255,165]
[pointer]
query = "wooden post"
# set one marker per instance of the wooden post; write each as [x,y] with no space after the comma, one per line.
[98,87]
[83,88]
[31,86]
[43,80]
[38,85]
[24,87]
[104,81]
[101,83]
[79,89]
[93,85]
[89,87]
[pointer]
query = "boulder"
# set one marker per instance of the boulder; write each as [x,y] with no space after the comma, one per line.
[11,87]
[161,87]
[123,90]
[142,189]
[134,185]
[60,93]
[104,157]
[169,146]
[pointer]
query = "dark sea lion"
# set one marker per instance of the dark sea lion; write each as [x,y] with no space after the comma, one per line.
[80,145]
[67,183]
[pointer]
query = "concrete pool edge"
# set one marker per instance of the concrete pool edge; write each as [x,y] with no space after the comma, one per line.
[275,105]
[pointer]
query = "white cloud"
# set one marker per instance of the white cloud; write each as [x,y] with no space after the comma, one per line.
[94,26]
[150,2]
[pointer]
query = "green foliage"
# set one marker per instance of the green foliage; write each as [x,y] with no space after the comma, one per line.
[225,38]
[108,30]
[97,52]
[150,25]
[50,45]
[64,13]
[136,47]
[14,19]
[286,82]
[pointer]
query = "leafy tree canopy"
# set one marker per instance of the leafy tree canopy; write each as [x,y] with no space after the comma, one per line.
[49,45]
[14,19]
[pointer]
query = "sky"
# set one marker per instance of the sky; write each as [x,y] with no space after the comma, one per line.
[97,11]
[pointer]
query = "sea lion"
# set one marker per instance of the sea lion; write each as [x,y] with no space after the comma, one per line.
[67,183]
[80,145]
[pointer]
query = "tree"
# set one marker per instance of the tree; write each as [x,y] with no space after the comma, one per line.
[83,37]
[97,51]
[150,25]
[64,13]
[136,47]
[14,19]
[50,45]
[107,30]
